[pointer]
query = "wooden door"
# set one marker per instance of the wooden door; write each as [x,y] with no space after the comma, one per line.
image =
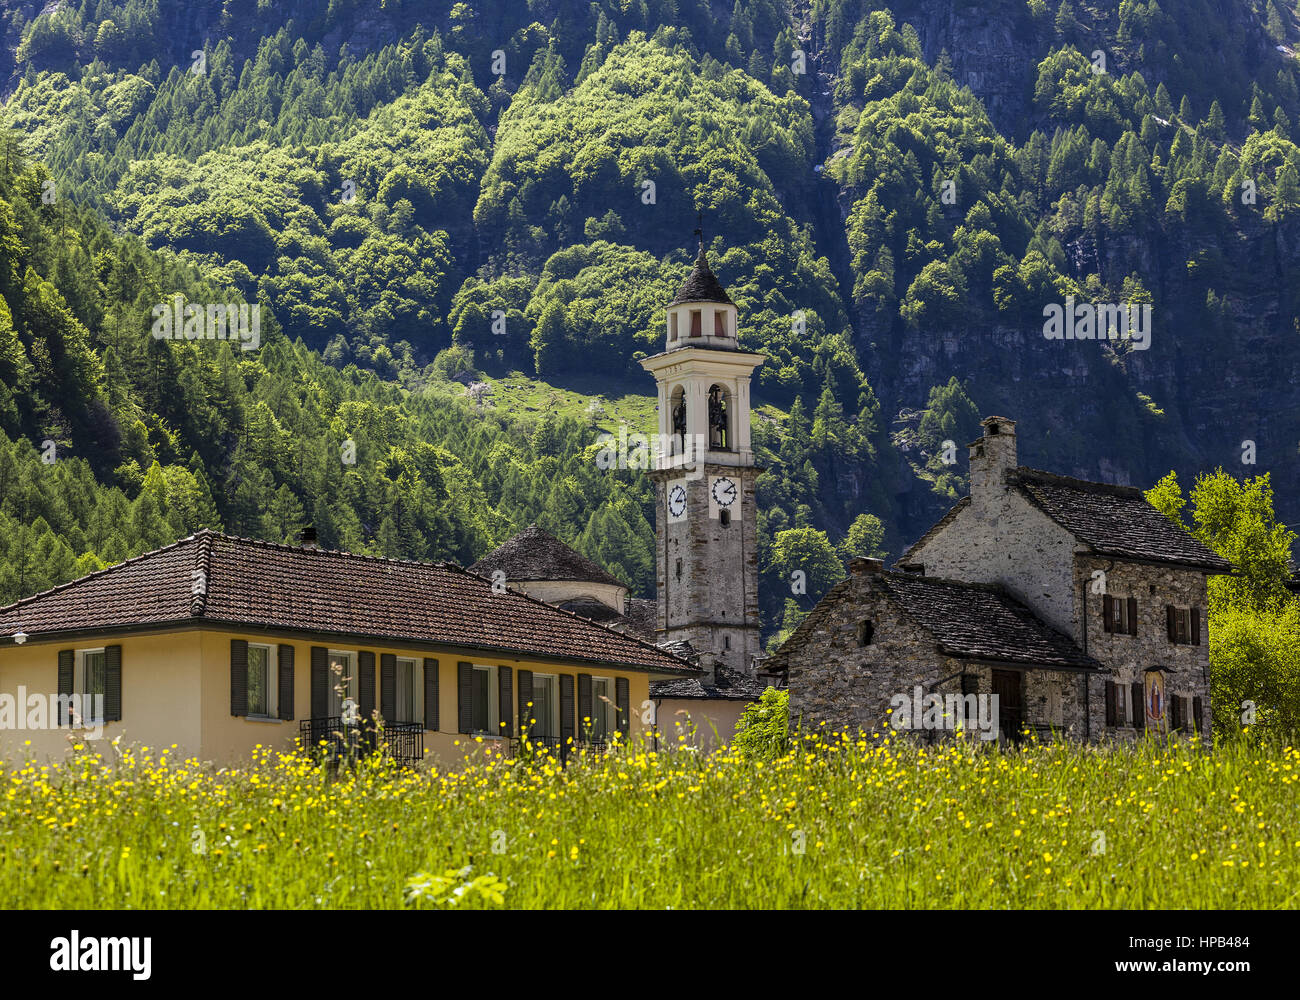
[1007,686]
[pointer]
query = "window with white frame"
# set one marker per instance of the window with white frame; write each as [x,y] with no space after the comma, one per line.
[342,679]
[410,690]
[602,708]
[91,683]
[263,693]
[546,707]
[483,701]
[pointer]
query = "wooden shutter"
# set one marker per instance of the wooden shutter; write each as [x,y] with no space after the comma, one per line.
[1111,714]
[505,706]
[465,696]
[622,700]
[568,734]
[1138,704]
[320,682]
[1107,614]
[238,677]
[1171,622]
[1194,626]
[67,659]
[286,681]
[388,686]
[525,709]
[1132,616]
[586,717]
[112,683]
[1186,714]
[1175,714]
[430,693]
[366,685]
[1198,713]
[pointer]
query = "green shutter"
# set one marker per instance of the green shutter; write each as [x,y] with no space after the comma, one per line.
[67,659]
[285,655]
[465,696]
[430,694]
[112,683]
[525,703]
[568,734]
[622,700]
[238,677]
[585,714]
[505,703]
[388,686]
[366,686]
[320,682]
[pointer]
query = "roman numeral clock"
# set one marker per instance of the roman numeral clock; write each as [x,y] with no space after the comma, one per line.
[707,571]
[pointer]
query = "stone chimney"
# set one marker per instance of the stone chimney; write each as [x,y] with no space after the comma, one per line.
[308,540]
[862,566]
[991,457]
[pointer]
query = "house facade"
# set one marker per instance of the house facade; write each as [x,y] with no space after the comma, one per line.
[217,644]
[1077,603]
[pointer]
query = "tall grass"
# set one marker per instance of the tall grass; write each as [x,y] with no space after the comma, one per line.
[835,822]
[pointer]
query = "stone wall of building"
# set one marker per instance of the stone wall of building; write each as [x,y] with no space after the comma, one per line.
[1011,542]
[1186,668]
[835,681]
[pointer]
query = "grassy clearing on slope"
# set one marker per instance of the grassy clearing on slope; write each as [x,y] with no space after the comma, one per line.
[835,823]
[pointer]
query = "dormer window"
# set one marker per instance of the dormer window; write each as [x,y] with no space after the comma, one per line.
[719,323]
[697,322]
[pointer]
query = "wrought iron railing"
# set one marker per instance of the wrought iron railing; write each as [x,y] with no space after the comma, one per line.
[339,741]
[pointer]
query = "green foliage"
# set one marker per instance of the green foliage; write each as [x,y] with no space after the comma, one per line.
[1254,620]
[763,730]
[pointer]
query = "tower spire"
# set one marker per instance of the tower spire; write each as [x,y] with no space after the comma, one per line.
[699,229]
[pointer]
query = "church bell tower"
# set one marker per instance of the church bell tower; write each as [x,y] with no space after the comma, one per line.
[705,532]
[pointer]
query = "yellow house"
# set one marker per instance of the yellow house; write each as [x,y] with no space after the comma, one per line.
[218,644]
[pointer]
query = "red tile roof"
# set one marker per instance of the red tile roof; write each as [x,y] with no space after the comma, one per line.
[282,587]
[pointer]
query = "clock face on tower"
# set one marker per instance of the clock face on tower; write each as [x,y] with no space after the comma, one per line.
[676,501]
[724,491]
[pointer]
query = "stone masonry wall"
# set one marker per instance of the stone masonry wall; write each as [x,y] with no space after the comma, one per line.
[1186,667]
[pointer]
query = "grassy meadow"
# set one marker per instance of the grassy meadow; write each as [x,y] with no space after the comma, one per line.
[837,822]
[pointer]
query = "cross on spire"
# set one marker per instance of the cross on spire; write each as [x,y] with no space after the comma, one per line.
[699,227]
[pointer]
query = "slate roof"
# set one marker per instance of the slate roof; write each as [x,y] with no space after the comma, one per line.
[281,587]
[1114,520]
[702,285]
[534,554]
[729,686]
[973,621]
[1111,520]
[642,617]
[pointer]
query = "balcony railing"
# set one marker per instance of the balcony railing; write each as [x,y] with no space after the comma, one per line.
[403,742]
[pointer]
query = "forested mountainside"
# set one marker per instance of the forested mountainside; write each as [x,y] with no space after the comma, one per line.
[505,193]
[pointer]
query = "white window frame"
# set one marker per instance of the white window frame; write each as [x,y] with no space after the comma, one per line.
[417,690]
[81,689]
[350,676]
[602,710]
[552,725]
[493,700]
[272,683]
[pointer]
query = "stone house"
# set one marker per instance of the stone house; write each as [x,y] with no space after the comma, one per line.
[1077,603]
